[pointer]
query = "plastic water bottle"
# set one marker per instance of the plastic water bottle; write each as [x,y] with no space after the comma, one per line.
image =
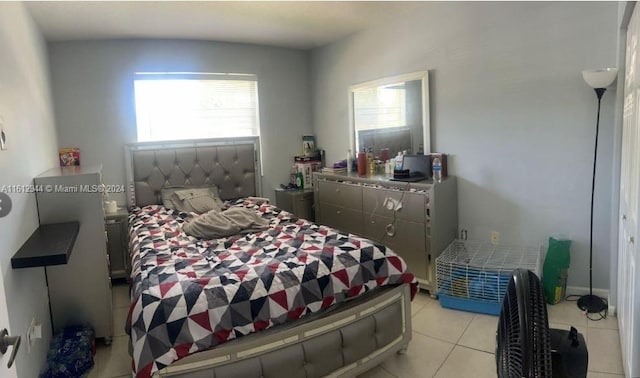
[437,170]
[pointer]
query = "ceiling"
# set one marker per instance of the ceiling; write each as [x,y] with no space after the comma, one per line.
[292,24]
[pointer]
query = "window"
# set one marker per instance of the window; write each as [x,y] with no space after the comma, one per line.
[194,106]
[380,107]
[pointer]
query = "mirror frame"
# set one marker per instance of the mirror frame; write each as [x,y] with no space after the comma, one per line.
[426,116]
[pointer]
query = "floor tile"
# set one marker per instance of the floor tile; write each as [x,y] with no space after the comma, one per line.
[421,299]
[120,320]
[414,363]
[120,293]
[114,360]
[441,323]
[567,312]
[93,373]
[610,322]
[377,372]
[466,362]
[591,374]
[481,333]
[605,355]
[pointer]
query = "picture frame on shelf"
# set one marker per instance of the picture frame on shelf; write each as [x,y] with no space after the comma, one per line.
[308,145]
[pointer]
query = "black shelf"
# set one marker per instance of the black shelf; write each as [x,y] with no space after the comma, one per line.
[50,244]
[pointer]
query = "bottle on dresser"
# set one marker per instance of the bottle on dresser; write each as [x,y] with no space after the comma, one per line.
[436,166]
[362,163]
[399,161]
[371,165]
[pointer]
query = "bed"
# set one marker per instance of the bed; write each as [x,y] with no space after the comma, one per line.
[291,295]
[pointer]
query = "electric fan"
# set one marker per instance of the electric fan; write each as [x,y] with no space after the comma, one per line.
[525,346]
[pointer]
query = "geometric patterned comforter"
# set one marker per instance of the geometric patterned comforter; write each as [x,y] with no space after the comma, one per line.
[190,294]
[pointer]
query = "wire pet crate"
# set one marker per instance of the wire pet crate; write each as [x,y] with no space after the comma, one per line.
[473,276]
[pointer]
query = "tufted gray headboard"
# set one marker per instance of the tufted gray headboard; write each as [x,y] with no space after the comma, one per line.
[230,165]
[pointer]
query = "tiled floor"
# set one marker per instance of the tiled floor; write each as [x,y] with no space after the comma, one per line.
[446,343]
[114,361]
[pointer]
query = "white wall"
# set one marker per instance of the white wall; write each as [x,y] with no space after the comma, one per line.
[508,103]
[93,96]
[25,105]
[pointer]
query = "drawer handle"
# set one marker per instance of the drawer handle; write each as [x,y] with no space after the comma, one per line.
[338,212]
[391,230]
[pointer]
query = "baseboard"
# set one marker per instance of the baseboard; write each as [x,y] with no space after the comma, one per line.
[602,293]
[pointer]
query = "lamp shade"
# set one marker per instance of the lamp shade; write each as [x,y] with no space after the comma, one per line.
[600,78]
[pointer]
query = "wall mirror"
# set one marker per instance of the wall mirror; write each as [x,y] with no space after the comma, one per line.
[391,113]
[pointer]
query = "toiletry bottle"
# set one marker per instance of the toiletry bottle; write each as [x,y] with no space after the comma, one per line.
[399,161]
[371,164]
[362,163]
[384,155]
[300,180]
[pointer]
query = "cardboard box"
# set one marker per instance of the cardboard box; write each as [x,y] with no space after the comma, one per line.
[69,156]
[307,169]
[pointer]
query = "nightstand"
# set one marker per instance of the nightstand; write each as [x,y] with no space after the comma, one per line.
[298,202]
[117,224]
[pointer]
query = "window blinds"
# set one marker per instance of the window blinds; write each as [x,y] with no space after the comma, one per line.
[193,106]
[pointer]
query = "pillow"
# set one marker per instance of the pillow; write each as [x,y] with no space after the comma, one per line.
[195,199]
[166,194]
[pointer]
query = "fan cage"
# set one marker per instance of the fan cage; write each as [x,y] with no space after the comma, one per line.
[474,276]
[523,343]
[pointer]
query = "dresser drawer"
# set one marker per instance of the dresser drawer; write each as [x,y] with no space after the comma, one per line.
[407,239]
[346,220]
[339,194]
[413,204]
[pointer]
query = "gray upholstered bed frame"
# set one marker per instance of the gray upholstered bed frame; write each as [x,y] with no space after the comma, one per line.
[343,342]
[230,165]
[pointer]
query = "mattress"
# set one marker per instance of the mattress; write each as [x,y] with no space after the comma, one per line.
[191,294]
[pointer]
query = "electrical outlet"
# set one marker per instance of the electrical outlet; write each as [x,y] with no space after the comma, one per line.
[495,237]
[463,234]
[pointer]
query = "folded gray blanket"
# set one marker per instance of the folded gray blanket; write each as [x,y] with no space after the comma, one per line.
[217,224]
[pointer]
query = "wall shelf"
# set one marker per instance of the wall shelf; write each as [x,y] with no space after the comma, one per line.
[50,244]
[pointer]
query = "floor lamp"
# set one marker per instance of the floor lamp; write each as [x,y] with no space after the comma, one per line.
[599,80]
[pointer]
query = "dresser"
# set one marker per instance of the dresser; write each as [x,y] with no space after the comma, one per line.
[80,290]
[416,220]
